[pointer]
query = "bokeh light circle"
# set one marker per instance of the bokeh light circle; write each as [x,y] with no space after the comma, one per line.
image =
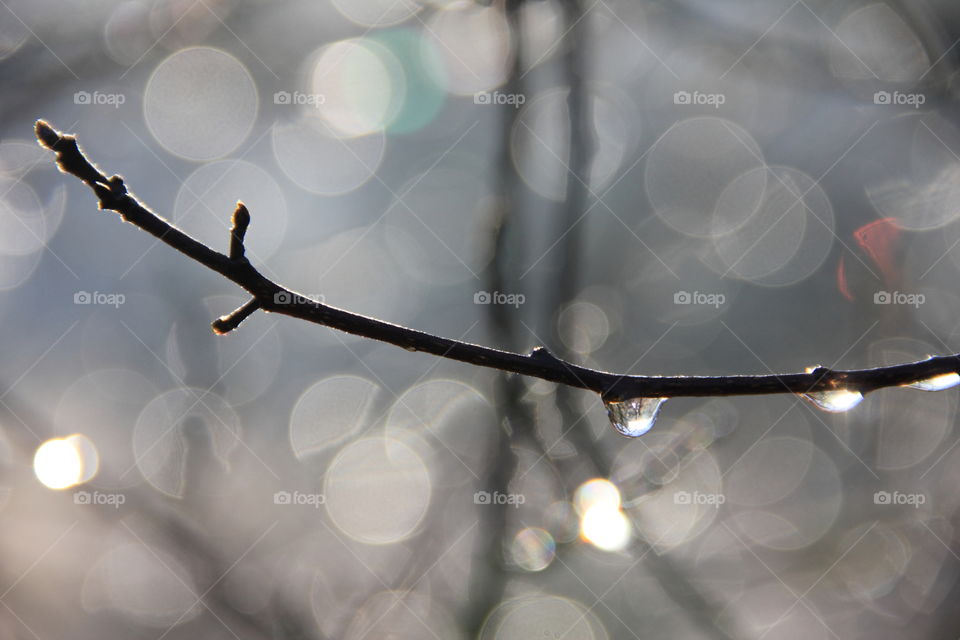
[542,616]
[105,403]
[200,103]
[209,195]
[181,432]
[473,45]
[126,32]
[362,85]
[329,412]
[532,549]
[13,35]
[873,42]
[376,13]
[22,224]
[767,240]
[61,463]
[143,584]
[690,167]
[319,162]
[377,490]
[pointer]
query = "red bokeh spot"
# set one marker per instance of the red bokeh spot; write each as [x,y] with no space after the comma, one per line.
[878,239]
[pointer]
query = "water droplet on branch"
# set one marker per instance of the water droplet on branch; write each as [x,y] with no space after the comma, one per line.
[937,383]
[835,400]
[634,417]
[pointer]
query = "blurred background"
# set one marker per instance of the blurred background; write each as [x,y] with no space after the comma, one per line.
[688,187]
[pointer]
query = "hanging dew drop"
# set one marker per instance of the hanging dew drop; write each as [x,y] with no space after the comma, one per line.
[937,383]
[835,400]
[634,417]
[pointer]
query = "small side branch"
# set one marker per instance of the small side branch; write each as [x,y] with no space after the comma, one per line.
[539,363]
[229,322]
[241,220]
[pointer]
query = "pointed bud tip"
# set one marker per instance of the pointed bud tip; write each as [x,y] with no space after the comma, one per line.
[241,215]
[46,134]
[221,326]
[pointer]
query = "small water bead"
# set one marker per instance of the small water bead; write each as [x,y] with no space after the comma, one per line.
[937,383]
[634,417]
[835,400]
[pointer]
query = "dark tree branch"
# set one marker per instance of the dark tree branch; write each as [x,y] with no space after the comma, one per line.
[539,363]
[229,322]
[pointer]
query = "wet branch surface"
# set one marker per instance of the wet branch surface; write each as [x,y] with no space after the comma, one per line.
[539,363]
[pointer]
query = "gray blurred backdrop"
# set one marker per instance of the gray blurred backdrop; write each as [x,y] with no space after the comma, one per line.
[689,187]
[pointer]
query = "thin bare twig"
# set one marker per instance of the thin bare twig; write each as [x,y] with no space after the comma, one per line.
[241,220]
[539,363]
